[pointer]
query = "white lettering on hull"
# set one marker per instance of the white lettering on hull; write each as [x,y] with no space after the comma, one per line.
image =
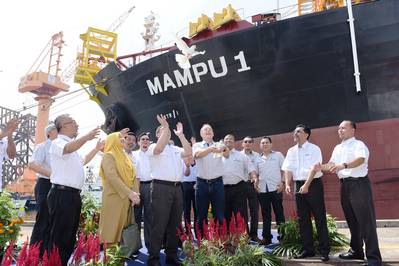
[198,70]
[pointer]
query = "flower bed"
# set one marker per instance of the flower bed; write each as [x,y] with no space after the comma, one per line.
[222,245]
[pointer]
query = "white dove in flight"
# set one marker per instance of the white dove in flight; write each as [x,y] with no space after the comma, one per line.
[183,60]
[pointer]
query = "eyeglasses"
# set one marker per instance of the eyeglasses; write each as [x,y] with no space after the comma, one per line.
[69,122]
[145,139]
[248,141]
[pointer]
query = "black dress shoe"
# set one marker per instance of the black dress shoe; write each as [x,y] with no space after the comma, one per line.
[304,254]
[174,262]
[133,257]
[351,256]
[325,258]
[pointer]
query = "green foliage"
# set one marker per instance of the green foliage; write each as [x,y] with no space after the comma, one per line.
[114,258]
[290,242]
[89,216]
[9,220]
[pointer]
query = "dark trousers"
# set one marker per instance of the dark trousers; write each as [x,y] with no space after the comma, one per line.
[144,210]
[235,198]
[253,204]
[64,209]
[189,201]
[267,201]
[308,204]
[210,191]
[40,230]
[167,208]
[357,204]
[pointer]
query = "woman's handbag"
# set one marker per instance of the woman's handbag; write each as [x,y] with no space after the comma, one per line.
[131,237]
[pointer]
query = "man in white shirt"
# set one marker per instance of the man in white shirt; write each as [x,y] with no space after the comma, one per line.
[271,185]
[237,167]
[208,157]
[252,197]
[67,177]
[166,195]
[129,143]
[40,163]
[7,145]
[349,161]
[309,193]
[143,173]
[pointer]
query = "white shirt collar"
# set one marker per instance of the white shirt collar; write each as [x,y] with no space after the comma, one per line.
[65,137]
[304,145]
[348,141]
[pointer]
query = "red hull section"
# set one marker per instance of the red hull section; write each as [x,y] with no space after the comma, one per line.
[383,143]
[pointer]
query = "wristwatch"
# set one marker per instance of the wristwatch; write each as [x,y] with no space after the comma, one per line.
[345,165]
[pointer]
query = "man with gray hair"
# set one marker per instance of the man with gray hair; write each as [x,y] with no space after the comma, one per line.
[67,178]
[40,163]
[7,145]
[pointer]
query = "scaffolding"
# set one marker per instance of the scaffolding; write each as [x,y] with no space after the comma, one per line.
[24,143]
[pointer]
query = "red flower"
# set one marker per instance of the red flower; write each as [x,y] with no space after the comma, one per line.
[55,259]
[23,255]
[45,261]
[33,257]
[205,230]
[80,249]
[7,259]
[198,234]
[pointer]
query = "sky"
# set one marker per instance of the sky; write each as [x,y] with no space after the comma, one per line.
[27,26]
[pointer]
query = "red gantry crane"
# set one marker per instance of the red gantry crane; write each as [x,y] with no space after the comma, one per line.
[45,85]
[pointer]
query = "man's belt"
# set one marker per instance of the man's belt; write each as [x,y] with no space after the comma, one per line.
[65,188]
[169,183]
[210,181]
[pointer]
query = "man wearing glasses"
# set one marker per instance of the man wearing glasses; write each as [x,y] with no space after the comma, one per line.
[67,177]
[143,173]
[253,200]
[309,194]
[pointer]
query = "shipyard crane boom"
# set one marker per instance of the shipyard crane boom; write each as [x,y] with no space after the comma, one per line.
[69,71]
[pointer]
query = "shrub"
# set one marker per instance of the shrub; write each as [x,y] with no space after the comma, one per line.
[290,242]
[89,216]
[10,221]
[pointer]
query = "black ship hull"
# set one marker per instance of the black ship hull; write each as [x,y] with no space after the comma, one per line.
[266,79]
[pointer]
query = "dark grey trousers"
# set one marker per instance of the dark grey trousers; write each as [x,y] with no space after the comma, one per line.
[167,209]
[144,211]
[357,204]
[253,204]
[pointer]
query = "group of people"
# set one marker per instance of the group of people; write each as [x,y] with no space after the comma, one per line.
[160,181]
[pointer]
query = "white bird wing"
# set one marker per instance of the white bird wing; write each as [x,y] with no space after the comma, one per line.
[181,45]
[182,61]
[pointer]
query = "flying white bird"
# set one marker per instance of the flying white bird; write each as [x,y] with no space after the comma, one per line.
[183,60]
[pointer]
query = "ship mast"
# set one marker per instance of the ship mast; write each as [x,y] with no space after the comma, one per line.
[150,35]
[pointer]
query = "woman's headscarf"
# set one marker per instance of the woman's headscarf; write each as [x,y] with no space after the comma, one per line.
[124,165]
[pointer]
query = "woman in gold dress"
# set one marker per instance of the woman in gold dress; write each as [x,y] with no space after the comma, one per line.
[120,189]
